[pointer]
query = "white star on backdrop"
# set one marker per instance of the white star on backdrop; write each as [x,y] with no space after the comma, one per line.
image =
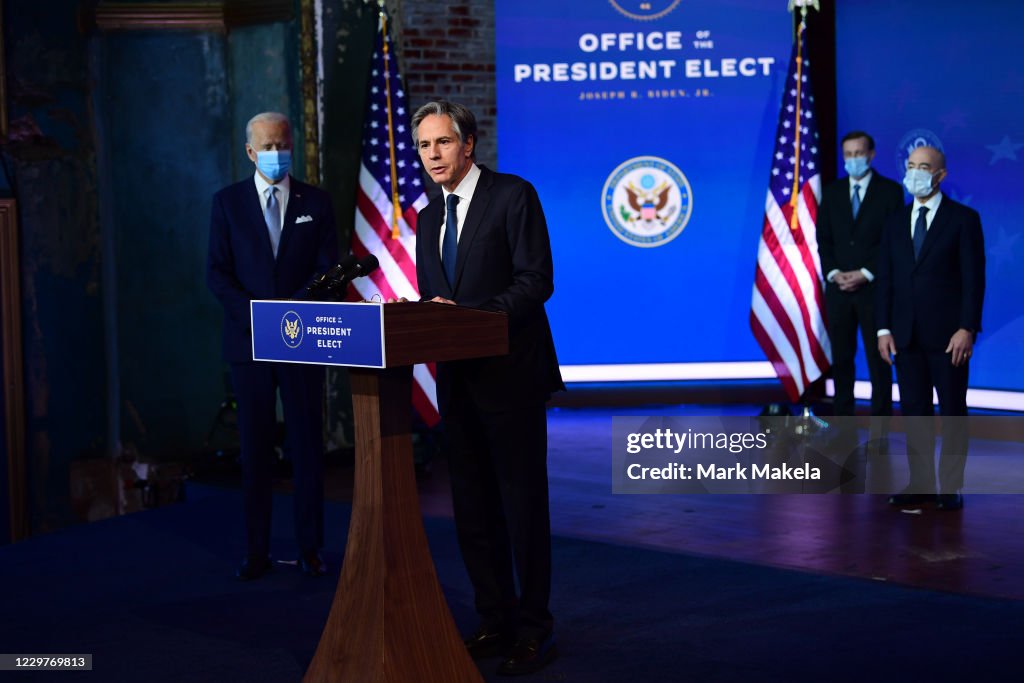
[1002,247]
[1004,149]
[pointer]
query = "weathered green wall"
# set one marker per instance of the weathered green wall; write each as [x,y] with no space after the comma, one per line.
[166,129]
[51,154]
[264,76]
[119,139]
[177,104]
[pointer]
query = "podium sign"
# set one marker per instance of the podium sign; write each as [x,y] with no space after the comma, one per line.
[321,332]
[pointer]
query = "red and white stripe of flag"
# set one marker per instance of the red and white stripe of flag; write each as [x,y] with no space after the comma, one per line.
[787,310]
[396,276]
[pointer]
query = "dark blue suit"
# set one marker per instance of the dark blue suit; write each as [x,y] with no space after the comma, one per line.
[242,267]
[493,408]
[923,302]
[848,243]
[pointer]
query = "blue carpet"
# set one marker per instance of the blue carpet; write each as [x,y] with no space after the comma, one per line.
[152,597]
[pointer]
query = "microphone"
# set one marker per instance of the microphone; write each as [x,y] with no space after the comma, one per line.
[326,279]
[365,266]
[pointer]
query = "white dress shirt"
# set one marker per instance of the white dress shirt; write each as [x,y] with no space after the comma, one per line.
[465,191]
[933,206]
[283,190]
[863,182]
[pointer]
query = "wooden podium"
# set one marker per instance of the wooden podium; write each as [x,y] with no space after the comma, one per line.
[389,620]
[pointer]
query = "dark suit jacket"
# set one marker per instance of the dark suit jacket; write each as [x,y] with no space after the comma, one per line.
[241,264]
[844,243]
[503,264]
[927,301]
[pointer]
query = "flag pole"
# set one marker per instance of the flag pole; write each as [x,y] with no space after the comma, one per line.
[386,217]
[812,422]
[790,197]
[794,197]
[396,205]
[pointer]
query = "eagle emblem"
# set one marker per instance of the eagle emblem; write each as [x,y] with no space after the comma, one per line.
[647,201]
[649,205]
[291,329]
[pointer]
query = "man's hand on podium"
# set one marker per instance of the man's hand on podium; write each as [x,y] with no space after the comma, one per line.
[436,300]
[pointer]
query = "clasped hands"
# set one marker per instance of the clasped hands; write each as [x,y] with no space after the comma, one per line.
[849,280]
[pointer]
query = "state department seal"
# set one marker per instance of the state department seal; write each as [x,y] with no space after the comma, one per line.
[647,201]
[918,137]
[644,10]
[291,329]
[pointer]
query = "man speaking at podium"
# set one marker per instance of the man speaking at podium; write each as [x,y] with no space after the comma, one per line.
[484,244]
[269,236]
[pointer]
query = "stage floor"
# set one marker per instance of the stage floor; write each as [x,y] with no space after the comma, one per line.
[729,588]
[978,550]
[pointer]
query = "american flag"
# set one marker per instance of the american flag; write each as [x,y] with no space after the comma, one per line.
[389,196]
[787,311]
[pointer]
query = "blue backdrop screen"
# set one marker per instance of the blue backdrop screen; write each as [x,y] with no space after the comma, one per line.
[950,76]
[647,129]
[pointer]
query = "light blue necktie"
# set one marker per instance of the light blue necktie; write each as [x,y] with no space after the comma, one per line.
[856,201]
[272,214]
[450,245]
[920,229]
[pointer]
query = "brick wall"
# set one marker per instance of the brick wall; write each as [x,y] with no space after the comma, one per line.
[447,52]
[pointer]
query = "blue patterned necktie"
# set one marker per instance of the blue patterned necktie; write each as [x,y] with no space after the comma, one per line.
[920,229]
[856,201]
[450,245]
[272,214]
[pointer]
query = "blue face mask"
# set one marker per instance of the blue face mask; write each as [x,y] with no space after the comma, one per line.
[274,163]
[857,166]
[918,182]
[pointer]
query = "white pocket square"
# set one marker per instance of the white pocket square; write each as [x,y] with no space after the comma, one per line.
[304,219]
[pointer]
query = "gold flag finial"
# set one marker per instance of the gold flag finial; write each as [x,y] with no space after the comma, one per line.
[803,5]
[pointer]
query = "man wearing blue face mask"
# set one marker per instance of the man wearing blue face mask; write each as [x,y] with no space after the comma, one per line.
[850,220]
[931,287]
[270,234]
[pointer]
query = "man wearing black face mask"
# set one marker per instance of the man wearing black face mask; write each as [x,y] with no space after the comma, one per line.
[269,235]
[931,287]
[850,219]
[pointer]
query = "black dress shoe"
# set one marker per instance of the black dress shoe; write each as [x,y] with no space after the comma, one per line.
[486,643]
[312,564]
[949,501]
[899,499]
[528,656]
[253,568]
